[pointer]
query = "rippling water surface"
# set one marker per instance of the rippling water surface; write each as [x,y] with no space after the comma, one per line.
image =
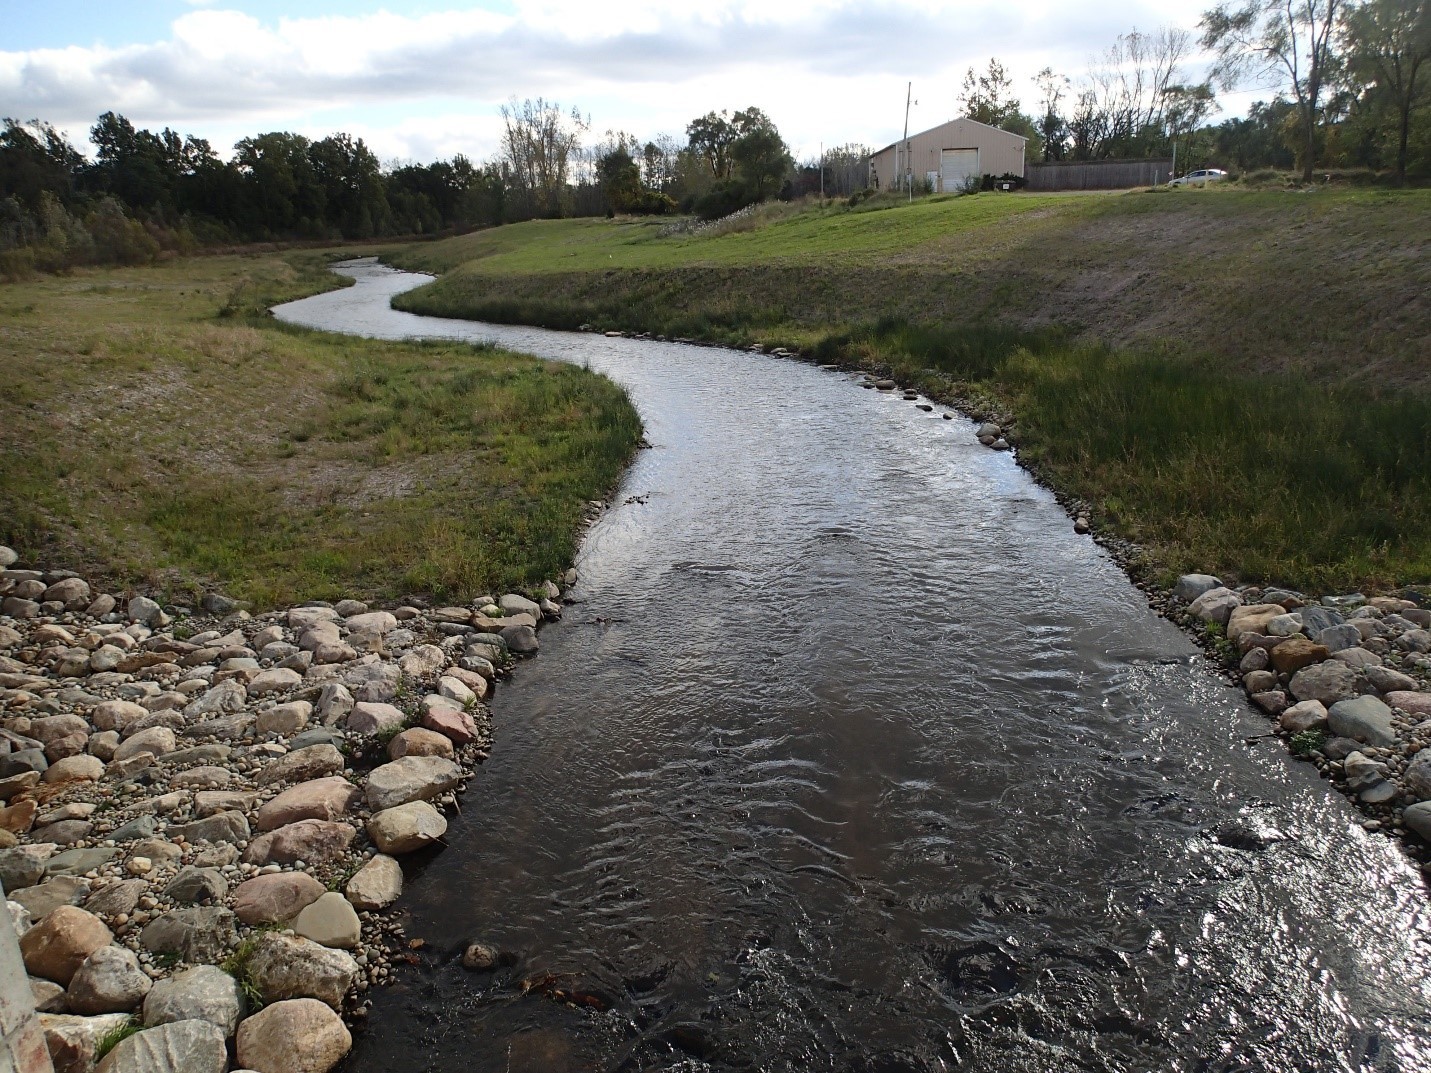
[853,757]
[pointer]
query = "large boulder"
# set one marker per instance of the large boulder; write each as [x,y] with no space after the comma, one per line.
[226,698]
[419,741]
[455,725]
[274,680]
[57,946]
[288,966]
[303,765]
[275,898]
[1417,705]
[180,1047]
[319,799]
[330,921]
[1297,652]
[1215,605]
[376,885]
[1417,777]
[196,886]
[411,778]
[1252,618]
[44,898]
[24,866]
[194,935]
[423,661]
[1363,719]
[1327,682]
[406,828]
[72,1040]
[82,768]
[368,717]
[231,826]
[1417,819]
[311,841]
[109,981]
[157,740]
[203,993]
[1191,586]
[521,639]
[299,1035]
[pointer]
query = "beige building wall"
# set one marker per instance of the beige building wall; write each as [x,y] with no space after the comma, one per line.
[1000,152]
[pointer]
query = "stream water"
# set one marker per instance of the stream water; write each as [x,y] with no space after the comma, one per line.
[852,756]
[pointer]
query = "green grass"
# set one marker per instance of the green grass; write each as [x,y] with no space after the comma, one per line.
[1238,380]
[117,1035]
[160,432]
[1333,283]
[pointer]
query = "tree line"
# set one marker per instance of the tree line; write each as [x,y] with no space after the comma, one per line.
[1353,85]
[147,192]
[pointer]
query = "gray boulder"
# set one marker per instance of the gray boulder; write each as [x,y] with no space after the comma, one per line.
[203,993]
[1364,719]
[1338,637]
[194,886]
[195,935]
[1417,777]
[1417,819]
[411,778]
[1327,682]
[1215,605]
[109,981]
[289,966]
[181,1047]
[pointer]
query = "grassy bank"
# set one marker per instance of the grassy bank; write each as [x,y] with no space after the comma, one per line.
[1238,381]
[157,430]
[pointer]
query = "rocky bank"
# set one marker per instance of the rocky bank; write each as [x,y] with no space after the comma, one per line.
[1344,677]
[203,814]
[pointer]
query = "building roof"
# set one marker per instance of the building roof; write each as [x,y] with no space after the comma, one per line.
[950,122]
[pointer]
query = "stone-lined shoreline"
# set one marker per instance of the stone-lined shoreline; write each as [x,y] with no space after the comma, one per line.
[201,812]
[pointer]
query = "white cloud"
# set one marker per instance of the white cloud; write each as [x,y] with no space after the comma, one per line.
[421,85]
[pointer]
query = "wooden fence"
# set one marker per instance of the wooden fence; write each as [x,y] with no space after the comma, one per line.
[1098,174]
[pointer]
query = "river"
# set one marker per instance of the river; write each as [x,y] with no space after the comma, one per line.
[852,756]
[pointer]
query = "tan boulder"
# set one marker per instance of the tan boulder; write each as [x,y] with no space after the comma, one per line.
[1252,618]
[419,741]
[275,898]
[300,1035]
[57,946]
[1297,652]
[310,841]
[319,799]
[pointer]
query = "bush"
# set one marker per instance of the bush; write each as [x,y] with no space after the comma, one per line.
[992,182]
[726,197]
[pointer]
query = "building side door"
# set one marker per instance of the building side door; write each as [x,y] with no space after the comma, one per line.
[956,165]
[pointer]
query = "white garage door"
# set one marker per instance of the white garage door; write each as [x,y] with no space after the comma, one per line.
[956,165]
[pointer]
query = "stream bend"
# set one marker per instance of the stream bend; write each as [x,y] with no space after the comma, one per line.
[852,756]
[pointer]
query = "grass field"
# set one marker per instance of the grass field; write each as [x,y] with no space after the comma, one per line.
[158,430]
[1239,380]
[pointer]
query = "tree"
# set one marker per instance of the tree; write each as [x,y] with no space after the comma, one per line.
[1387,43]
[1052,128]
[710,136]
[988,97]
[34,158]
[1288,41]
[284,195]
[762,161]
[619,176]
[539,144]
[1185,109]
[354,193]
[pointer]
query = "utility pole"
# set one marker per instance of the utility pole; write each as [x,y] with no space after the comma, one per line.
[908,168]
[822,171]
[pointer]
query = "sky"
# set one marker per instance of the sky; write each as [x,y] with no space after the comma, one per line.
[420,80]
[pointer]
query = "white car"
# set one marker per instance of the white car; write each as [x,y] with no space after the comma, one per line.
[1201,177]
